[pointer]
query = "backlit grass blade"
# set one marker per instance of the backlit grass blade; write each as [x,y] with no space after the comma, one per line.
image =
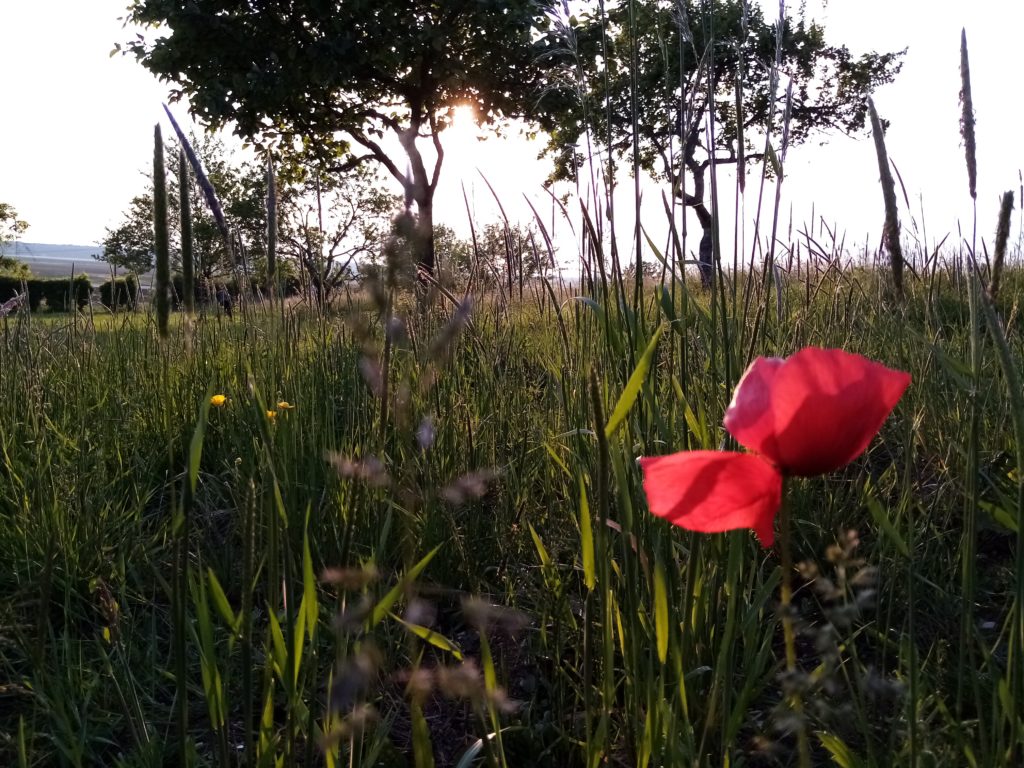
[383,606]
[636,381]
[660,611]
[430,636]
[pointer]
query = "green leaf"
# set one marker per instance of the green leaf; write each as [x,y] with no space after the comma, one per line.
[545,558]
[428,635]
[882,520]
[632,390]
[843,756]
[383,607]
[278,646]
[999,515]
[220,601]
[660,611]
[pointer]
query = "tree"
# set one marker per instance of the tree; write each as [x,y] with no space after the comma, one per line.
[240,187]
[129,245]
[11,228]
[328,221]
[313,70]
[671,66]
[454,255]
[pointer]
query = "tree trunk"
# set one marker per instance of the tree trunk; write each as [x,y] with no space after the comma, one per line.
[420,188]
[706,250]
[425,236]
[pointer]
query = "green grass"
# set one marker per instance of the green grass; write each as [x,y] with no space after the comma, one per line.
[631,642]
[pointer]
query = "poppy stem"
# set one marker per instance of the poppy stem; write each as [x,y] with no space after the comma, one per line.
[788,630]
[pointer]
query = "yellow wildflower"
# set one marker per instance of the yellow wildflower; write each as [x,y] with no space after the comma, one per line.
[284,405]
[218,401]
[271,415]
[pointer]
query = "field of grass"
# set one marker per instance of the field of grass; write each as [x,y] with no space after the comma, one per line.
[438,557]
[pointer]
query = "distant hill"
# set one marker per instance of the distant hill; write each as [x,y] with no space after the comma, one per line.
[21,250]
[59,260]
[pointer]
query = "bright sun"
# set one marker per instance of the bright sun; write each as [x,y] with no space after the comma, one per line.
[464,118]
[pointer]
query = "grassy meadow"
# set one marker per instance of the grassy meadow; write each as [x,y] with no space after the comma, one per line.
[436,556]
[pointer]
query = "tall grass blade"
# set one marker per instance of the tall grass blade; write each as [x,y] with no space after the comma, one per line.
[161,238]
[633,386]
[188,264]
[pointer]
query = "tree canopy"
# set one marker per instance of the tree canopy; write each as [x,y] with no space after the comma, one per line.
[657,70]
[337,76]
[11,228]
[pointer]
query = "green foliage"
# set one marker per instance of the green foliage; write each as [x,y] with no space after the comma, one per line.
[500,254]
[120,292]
[205,291]
[241,186]
[129,246]
[311,70]
[14,268]
[59,293]
[629,616]
[11,228]
[272,224]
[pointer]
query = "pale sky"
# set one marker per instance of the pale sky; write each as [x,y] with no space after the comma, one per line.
[77,124]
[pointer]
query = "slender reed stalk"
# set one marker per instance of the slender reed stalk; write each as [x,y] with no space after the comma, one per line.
[188,272]
[271,226]
[162,299]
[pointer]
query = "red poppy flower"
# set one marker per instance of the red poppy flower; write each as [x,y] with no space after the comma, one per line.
[808,414]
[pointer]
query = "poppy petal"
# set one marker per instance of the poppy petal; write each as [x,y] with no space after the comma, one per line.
[751,417]
[714,491]
[815,411]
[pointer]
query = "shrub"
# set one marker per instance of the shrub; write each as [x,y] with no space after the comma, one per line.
[56,292]
[206,289]
[11,286]
[60,293]
[119,292]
